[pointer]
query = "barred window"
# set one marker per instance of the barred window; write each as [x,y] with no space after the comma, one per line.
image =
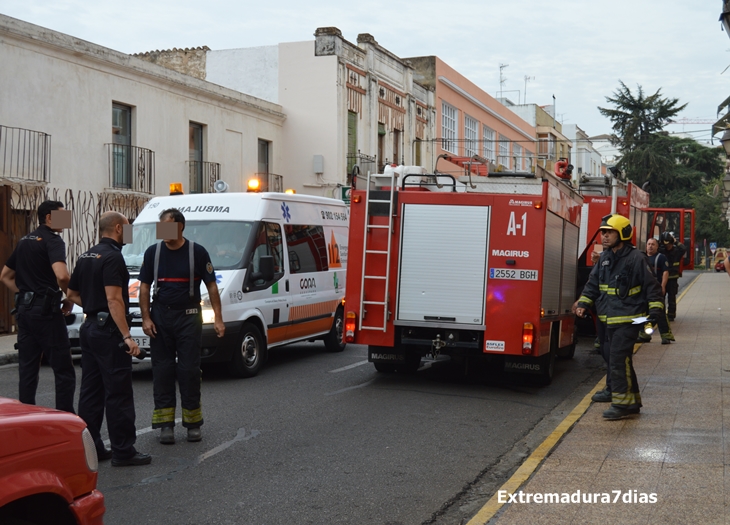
[471,136]
[449,132]
[488,144]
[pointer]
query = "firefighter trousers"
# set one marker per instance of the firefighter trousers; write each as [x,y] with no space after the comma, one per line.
[106,385]
[672,289]
[620,339]
[175,352]
[40,334]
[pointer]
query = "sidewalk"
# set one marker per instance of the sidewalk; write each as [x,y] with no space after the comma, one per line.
[8,353]
[677,449]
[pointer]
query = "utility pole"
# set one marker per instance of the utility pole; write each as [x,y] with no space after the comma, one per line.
[502,79]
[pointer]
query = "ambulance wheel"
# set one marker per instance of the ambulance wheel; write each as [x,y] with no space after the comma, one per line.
[333,341]
[249,355]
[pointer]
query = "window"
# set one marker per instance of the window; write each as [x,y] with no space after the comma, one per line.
[471,136]
[504,158]
[268,242]
[351,140]
[263,165]
[381,147]
[307,248]
[121,146]
[195,147]
[488,144]
[396,147]
[517,155]
[530,160]
[418,151]
[449,134]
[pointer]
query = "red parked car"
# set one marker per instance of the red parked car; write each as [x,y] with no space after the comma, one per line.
[48,468]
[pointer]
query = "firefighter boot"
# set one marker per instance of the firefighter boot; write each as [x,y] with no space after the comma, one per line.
[194,434]
[602,396]
[615,413]
[167,436]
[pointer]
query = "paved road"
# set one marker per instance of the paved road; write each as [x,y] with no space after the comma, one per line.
[323,438]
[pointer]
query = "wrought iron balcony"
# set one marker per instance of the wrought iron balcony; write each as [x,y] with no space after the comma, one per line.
[203,176]
[25,154]
[270,182]
[131,168]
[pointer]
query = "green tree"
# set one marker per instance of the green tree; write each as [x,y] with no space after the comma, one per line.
[681,172]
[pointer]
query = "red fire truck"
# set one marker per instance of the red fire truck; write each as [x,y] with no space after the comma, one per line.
[469,266]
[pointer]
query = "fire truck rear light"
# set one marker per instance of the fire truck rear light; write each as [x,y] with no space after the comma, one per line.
[350,327]
[356,199]
[528,331]
[542,312]
[538,205]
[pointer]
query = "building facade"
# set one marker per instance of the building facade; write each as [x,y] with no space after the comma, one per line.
[585,159]
[99,130]
[471,122]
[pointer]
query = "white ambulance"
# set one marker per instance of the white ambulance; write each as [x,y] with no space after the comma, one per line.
[279,262]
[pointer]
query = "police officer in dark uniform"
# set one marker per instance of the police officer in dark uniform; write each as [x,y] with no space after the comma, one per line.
[37,272]
[100,284]
[175,323]
[674,252]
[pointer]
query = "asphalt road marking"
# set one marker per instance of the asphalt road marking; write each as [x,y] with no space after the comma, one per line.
[141,431]
[348,367]
[351,388]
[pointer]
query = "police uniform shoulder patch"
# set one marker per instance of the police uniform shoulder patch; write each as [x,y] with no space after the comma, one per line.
[209,267]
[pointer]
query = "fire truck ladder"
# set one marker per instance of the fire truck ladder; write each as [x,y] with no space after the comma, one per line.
[392,180]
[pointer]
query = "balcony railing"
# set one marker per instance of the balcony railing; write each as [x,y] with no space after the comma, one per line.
[131,168]
[203,176]
[270,182]
[25,154]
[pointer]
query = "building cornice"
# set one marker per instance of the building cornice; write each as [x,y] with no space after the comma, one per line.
[484,107]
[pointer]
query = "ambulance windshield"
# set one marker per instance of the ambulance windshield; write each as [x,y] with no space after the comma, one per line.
[224,240]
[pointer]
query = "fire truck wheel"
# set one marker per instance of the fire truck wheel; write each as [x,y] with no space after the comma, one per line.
[547,368]
[249,355]
[333,341]
[567,352]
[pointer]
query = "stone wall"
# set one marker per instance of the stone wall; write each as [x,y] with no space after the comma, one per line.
[188,61]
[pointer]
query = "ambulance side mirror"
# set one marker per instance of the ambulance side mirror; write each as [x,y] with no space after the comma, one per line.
[266,269]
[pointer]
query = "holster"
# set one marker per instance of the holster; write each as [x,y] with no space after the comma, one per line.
[104,320]
[51,301]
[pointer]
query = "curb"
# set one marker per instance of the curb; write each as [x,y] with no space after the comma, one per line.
[6,359]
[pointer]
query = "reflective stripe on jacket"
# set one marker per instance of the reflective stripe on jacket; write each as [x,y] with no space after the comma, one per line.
[622,287]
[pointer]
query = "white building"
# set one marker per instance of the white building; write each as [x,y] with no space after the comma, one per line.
[345,105]
[586,160]
[117,129]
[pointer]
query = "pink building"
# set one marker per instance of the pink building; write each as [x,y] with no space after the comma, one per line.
[471,122]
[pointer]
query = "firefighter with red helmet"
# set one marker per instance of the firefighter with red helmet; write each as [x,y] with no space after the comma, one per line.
[674,252]
[622,289]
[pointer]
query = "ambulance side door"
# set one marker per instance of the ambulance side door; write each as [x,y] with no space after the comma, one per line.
[271,298]
[311,285]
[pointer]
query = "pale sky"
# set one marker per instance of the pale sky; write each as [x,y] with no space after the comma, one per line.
[576,50]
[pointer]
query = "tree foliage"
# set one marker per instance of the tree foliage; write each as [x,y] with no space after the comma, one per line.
[681,172]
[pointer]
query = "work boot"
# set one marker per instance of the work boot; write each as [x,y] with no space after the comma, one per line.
[167,436]
[103,454]
[194,434]
[666,341]
[138,459]
[643,339]
[616,413]
[602,396]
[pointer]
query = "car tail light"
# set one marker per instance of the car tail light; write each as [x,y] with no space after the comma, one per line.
[528,332]
[350,327]
[92,461]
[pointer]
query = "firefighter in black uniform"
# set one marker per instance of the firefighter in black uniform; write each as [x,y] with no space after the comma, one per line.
[174,323]
[622,288]
[100,285]
[674,252]
[36,271]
